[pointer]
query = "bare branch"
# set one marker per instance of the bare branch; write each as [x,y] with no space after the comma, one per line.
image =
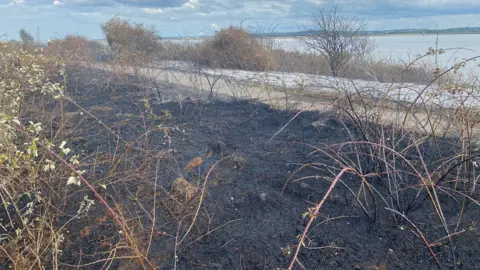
[336,37]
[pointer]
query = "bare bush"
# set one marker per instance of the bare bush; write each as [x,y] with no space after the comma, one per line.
[406,157]
[133,41]
[74,48]
[234,48]
[337,38]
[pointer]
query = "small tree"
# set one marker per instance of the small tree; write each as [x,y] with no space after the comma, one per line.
[131,40]
[336,37]
[26,38]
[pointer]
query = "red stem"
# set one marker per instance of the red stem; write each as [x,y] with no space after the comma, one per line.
[315,214]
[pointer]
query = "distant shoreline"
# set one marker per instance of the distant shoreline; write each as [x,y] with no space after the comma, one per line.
[426,34]
[371,35]
[394,34]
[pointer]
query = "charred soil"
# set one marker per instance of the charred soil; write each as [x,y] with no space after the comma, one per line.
[250,215]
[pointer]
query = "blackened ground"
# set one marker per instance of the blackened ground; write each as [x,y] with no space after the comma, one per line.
[246,222]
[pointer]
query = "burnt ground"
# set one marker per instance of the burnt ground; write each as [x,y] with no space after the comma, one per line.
[245,221]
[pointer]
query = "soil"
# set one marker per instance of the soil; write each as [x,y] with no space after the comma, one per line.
[245,221]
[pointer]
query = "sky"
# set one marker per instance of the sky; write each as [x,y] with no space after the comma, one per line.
[175,18]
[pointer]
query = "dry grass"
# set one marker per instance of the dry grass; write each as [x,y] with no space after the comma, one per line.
[364,69]
[233,48]
[308,63]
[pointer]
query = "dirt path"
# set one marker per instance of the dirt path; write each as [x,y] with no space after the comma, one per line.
[294,98]
[222,86]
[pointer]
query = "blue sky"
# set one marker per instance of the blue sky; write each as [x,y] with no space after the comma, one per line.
[57,18]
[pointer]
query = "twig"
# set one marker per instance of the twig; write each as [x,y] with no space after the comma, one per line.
[202,196]
[420,234]
[314,215]
[280,130]
[211,231]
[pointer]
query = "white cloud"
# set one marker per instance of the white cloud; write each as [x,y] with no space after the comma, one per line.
[86,14]
[194,16]
[190,4]
[12,3]
[153,10]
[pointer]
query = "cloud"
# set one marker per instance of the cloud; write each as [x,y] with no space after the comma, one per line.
[190,4]
[152,3]
[153,10]
[195,16]
[86,14]
[129,3]
[12,3]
